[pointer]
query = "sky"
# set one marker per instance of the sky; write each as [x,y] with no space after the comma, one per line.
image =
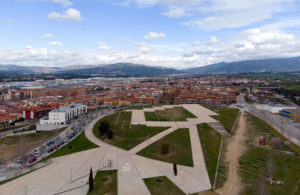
[169,33]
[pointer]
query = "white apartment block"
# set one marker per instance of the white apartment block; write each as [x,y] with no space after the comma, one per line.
[63,114]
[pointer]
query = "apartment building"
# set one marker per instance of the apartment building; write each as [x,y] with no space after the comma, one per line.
[64,114]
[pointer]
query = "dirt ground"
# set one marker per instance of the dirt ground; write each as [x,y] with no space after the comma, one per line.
[13,146]
[234,150]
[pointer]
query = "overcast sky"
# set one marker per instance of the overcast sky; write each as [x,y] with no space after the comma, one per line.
[170,33]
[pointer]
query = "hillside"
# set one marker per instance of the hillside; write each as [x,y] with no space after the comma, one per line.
[254,66]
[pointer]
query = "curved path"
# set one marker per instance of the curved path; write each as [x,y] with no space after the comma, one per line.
[69,174]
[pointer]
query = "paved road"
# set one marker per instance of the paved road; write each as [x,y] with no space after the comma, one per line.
[287,130]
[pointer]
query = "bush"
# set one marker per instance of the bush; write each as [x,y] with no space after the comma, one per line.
[103,127]
[165,148]
[110,134]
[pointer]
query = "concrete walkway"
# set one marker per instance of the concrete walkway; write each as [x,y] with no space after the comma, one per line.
[198,158]
[69,174]
[151,140]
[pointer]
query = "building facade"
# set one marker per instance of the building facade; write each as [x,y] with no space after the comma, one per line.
[64,114]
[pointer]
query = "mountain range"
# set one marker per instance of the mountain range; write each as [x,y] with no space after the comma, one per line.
[128,69]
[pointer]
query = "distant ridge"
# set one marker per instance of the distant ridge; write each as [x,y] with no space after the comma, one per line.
[129,69]
[251,66]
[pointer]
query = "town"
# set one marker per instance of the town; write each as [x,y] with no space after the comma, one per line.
[45,119]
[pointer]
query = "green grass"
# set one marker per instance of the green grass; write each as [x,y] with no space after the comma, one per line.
[283,167]
[151,116]
[262,128]
[295,87]
[80,143]
[226,116]
[169,114]
[19,126]
[179,152]
[162,186]
[139,107]
[259,162]
[109,187]
[210,141]
[126,136]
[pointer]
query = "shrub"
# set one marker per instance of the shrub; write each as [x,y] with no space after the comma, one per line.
[110,134]
[104,127]
[165,148]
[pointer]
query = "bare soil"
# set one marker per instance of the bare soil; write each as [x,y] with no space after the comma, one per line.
[234,151]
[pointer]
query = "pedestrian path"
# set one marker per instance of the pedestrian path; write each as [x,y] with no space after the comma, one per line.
[69,174]
[151,140]
[198,158]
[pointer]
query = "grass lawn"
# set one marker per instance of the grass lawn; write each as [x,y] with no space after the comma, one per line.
[162,186]
[180,151]
[19,126]
[210,141]
[151,116]
[261,162]
[80,143]
[295,87]
[262,129]
[105,182]
[126,136]
[265,162]
[169,114]
[226,116]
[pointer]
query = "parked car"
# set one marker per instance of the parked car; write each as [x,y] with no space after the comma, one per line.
[66,140]
[50,150]
[18,159]
[32,160]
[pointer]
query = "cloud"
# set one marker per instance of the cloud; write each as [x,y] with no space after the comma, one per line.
[127,39]
[219,14]
[175,12]
[213,40]
[254,43]
[103,46]
[64,3]
[143,47]
[154,35]
[56,43]
[48,36]
[71,15]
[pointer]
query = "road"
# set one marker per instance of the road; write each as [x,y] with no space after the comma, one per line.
[276,121]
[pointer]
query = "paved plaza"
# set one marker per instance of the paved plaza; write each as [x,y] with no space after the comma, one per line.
[69,174]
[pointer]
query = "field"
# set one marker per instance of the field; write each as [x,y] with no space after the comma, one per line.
[179,148]
[105,182]
[126,136]
[169,114]
[21,144]
[260,163]
[210,141]
[80,143]
[162,186]
[226,116]
[295,87]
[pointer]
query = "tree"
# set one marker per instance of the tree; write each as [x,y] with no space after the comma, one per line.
[165,148]
[91,181]
[175,169]
[104,127]
[110,134]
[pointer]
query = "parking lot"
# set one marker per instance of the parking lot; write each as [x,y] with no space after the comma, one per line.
[24,162]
